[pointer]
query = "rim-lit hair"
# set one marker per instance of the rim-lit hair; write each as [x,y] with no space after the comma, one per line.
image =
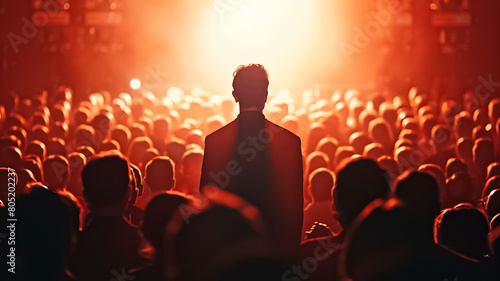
[250,83]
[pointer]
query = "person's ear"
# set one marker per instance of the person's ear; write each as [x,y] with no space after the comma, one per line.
[172,184]
[235,97]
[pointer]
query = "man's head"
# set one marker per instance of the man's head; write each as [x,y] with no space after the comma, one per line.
[106,182]
[358,183]
[250,84]
[56,172]
[160,174]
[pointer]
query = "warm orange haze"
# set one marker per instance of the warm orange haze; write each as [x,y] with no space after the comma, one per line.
[242,140]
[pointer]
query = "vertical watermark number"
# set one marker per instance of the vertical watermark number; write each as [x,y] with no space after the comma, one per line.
[11,220]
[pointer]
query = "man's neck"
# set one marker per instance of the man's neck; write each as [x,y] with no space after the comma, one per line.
[251,109]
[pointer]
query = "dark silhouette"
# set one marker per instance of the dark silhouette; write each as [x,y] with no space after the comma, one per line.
[157,215]
[257,159]
[45,230]
[351,194]
[108,242]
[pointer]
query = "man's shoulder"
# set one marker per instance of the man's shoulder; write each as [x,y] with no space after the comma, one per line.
[278,130]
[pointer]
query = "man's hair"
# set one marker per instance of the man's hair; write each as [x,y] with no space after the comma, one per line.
[250,83]
[106,180]
[56,172]
[359,182]
[159,173]
[321,183]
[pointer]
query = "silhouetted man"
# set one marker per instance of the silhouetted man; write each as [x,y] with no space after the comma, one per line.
[108,245]
[258,160]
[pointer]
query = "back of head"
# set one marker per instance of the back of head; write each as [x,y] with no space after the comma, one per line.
[381,242]
[224,230]
[359,182]
[492,207]
[491,184]
[160,173]
[493,170]
[158,213]
[320,184]
[56,172]
[250,84]
[191,163]
[160,128]
[454,165]
[464,149]
[459,189]
[420,194]
[106,181]
[380,131]
[464,230]
[483,152]
[137,149]
[494,110]
[44,231]
[11,156]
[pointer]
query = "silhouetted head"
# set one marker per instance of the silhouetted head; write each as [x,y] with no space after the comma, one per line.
[463,149]
[36,148]
[158,213]
[358,183]
[160,128]
[191,163]
[160,174]
[419,192]
[494,110]
[359,140]
[76,162]
[493,170]
[56,172]
[315,161]
[491,184]
[315,133]
[250,84]
[25,177]
[122,135]
[106,181]
[34,165]
[44,231]
[427,122]
[441,136]
[11,157]
[225,233]
[380,131]
[464,230]
[381,243]
[56,146]
[137,149]
[484,153]
[454,165]
[321,184]
[463,125]
[459,189]
[492,204]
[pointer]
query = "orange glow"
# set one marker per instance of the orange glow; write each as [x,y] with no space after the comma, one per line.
[277,34]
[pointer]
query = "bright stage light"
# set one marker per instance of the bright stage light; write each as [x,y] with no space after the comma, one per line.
[135,83]
[283,35]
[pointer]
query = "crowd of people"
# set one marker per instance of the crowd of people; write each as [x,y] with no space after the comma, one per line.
[396,186]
